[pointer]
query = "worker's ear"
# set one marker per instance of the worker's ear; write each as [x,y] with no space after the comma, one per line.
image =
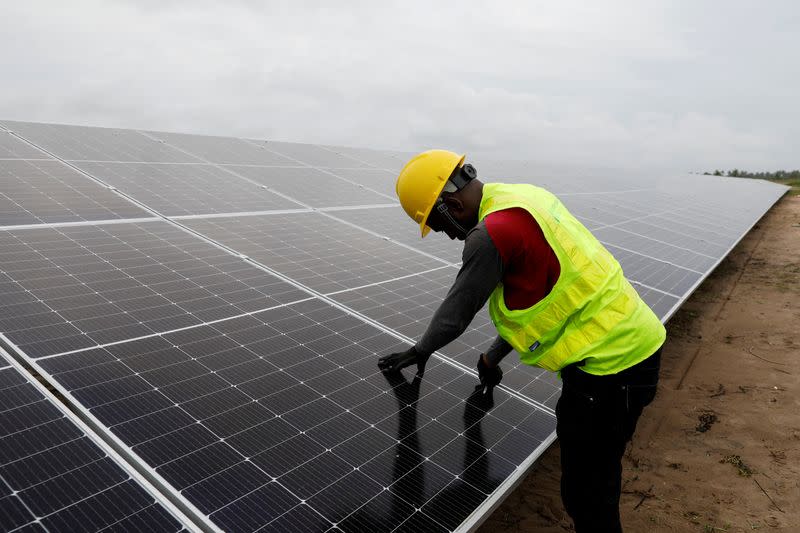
[454,204]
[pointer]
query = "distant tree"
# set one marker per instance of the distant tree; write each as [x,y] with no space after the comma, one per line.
[776,175]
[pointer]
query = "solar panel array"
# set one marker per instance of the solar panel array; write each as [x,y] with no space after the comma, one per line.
[216,307]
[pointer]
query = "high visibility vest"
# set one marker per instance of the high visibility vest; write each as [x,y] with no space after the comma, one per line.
[592,314]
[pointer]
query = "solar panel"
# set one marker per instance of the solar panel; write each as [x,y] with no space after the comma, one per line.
[334,259]
[378,179]
[81,143]
[284,411]
[313,155]
[55,477]
[387,160]
[12,148]
[392,222]
[235,356]
[224,150]
[315,250]
[38,189]
[186,188]
[74,287]
[312,186]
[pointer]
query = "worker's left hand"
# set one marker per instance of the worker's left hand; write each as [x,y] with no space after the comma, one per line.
[397,361]
[489,376]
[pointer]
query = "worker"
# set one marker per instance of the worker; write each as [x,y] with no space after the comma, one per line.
[559,299]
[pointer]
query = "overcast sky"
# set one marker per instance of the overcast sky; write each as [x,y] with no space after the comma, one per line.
[688,85]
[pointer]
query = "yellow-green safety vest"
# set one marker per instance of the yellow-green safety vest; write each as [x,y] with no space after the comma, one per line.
[592,314]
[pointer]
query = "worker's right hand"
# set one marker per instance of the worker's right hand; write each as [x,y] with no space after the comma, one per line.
[397,361]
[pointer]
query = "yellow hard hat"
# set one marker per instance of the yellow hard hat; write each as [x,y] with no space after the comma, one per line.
[421,182]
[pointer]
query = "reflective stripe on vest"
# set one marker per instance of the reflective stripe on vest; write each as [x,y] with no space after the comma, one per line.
[592,314]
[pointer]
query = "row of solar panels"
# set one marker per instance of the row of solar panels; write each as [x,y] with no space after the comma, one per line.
[216,306]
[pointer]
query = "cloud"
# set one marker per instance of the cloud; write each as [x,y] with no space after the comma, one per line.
[666,85]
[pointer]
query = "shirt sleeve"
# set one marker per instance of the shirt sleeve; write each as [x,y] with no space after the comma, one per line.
[497,351]
[481,271]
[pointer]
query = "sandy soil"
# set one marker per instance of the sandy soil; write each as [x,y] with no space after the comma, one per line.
[719,448]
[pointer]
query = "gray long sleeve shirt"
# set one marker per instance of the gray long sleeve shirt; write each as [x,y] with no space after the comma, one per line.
[481,271]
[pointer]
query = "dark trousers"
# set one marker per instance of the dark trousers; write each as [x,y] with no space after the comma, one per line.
[596,417]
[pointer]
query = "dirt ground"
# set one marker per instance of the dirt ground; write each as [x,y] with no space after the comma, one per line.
[719,448]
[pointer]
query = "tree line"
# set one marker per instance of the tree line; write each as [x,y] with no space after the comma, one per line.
[777,175]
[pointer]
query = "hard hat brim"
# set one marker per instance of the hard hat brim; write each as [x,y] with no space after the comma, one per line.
[423,226]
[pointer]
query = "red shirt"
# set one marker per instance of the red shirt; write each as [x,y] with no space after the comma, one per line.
[530,267]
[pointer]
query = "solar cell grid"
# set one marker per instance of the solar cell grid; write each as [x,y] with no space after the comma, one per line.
[186,189]
[661,303]
[659,250]
[13,148]
[310,154]
[315,250]
[73,287]
[656,274]
[82,143]
[600,211]
[697,228]
[383,159]
[669,236]
[717,216]
[392,222]
[46,191]
[54,477]
[377,179]
[311,186]
[639,211]
[215,149]
[288,405]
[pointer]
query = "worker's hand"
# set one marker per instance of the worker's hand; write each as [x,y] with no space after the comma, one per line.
[397,361]
[489,376]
